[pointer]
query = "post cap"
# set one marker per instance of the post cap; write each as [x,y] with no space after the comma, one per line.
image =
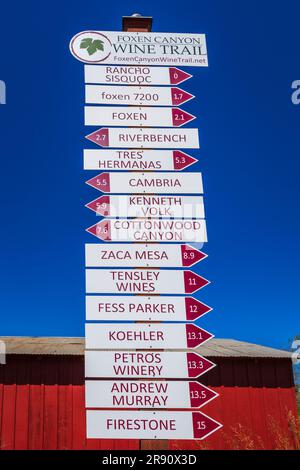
[137,22]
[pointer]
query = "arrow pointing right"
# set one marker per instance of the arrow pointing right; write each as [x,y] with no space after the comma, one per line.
[204,425]
[200,395]
[182,160]
[193,282]
[178,76]
[180,96]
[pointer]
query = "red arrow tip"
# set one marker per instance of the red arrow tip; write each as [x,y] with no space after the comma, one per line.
[198,365]
[180,117]
[100,137]
[200,395]
[178,76]
[180,96]
[196,336]
[204,425]
[182,160]
[195,309]
[191,256]
[100,205]
[193,282]
[100,182]
[101,230]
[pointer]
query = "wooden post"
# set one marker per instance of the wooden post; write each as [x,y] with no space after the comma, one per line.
[138,23]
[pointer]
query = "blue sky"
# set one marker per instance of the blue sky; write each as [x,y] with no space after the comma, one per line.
[249,156]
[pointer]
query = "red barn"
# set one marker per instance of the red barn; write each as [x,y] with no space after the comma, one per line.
[42,398]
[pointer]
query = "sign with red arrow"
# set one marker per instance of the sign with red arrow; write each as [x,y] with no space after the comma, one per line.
[144,336]
[100,255]
[137,160]
[135,116]
[139,183]
[142,281]
[136,95]
[134,75]
[148,424]
[150,230]
[144,308]
[145,364]
[148,206]
[137,138]
[146,394]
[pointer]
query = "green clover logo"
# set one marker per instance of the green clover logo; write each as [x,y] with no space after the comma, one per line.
[92,45]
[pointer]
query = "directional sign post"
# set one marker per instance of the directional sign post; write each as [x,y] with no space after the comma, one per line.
[147,230]
[133,160]
[138,183]
[148,281]
[141,256]
[144,336]
[149,424]
[152,216]
[141,96]
[145,138]
[134,75]
[144,308]
[146,394]
[148,206]
[145,364]
[135,116]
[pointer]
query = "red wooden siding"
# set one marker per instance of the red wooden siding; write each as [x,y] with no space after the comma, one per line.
[257,406]
[42,405]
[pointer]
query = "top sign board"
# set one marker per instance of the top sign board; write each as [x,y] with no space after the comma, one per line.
[114,47]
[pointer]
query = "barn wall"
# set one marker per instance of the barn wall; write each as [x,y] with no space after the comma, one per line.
[257,406]
[42,405]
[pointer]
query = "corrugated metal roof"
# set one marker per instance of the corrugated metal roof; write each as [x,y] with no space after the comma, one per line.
[75,346]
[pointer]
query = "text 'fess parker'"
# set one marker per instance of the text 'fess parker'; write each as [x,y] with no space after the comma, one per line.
[147,281]
[146,230]
[151,308]
[145,364]
[149,206]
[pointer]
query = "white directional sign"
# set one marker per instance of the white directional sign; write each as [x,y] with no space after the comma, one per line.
[144,281]
[136,95]
[138,183]
[149,424]
[145,364]
[146,394]
[135,116]
[144,308]
[150,230]
[132,160]
[134,75]
[137,138]
[149,206]
[119,47]
[144,336]
[100,255]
